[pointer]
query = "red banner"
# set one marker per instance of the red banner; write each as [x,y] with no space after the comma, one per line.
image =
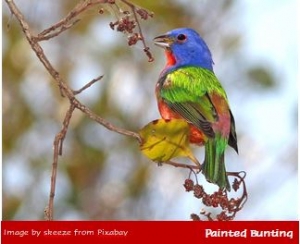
[149,231]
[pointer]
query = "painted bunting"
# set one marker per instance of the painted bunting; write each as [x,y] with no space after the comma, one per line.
[188,88]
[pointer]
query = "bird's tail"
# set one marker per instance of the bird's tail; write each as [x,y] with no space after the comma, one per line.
[214,166]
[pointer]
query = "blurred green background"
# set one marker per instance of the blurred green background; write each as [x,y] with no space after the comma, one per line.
[102,175]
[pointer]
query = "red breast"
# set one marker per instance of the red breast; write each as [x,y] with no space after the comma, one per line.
[196,136]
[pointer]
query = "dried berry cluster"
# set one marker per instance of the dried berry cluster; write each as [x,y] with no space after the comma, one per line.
[127,20]
[144,14]
[229,207]
[124,24]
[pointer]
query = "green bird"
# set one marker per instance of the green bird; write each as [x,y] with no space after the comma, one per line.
[188,88]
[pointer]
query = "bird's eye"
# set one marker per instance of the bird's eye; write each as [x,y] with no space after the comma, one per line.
[181,37]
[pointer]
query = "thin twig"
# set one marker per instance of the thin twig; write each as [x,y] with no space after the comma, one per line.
[68,22]
[105,123]
[88,85]
[133,8]
[62,29]
[244,196]
[64,130]
[146,48]
[180,165]
[57,144]
[64,24]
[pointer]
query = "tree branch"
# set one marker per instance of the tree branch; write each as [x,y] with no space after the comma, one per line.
[58,144]
[67,22]
[143,15]
[181,165]
[88,85]
[66,91]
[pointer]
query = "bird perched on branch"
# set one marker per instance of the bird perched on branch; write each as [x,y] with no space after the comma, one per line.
[188,88]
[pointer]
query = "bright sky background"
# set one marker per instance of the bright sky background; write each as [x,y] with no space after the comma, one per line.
[272,37]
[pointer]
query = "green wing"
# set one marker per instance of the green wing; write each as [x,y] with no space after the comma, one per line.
[186,91]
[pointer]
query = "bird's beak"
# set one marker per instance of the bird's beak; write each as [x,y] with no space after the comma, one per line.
[163,41]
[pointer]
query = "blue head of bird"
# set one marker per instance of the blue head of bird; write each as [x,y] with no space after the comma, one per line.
[186,47]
